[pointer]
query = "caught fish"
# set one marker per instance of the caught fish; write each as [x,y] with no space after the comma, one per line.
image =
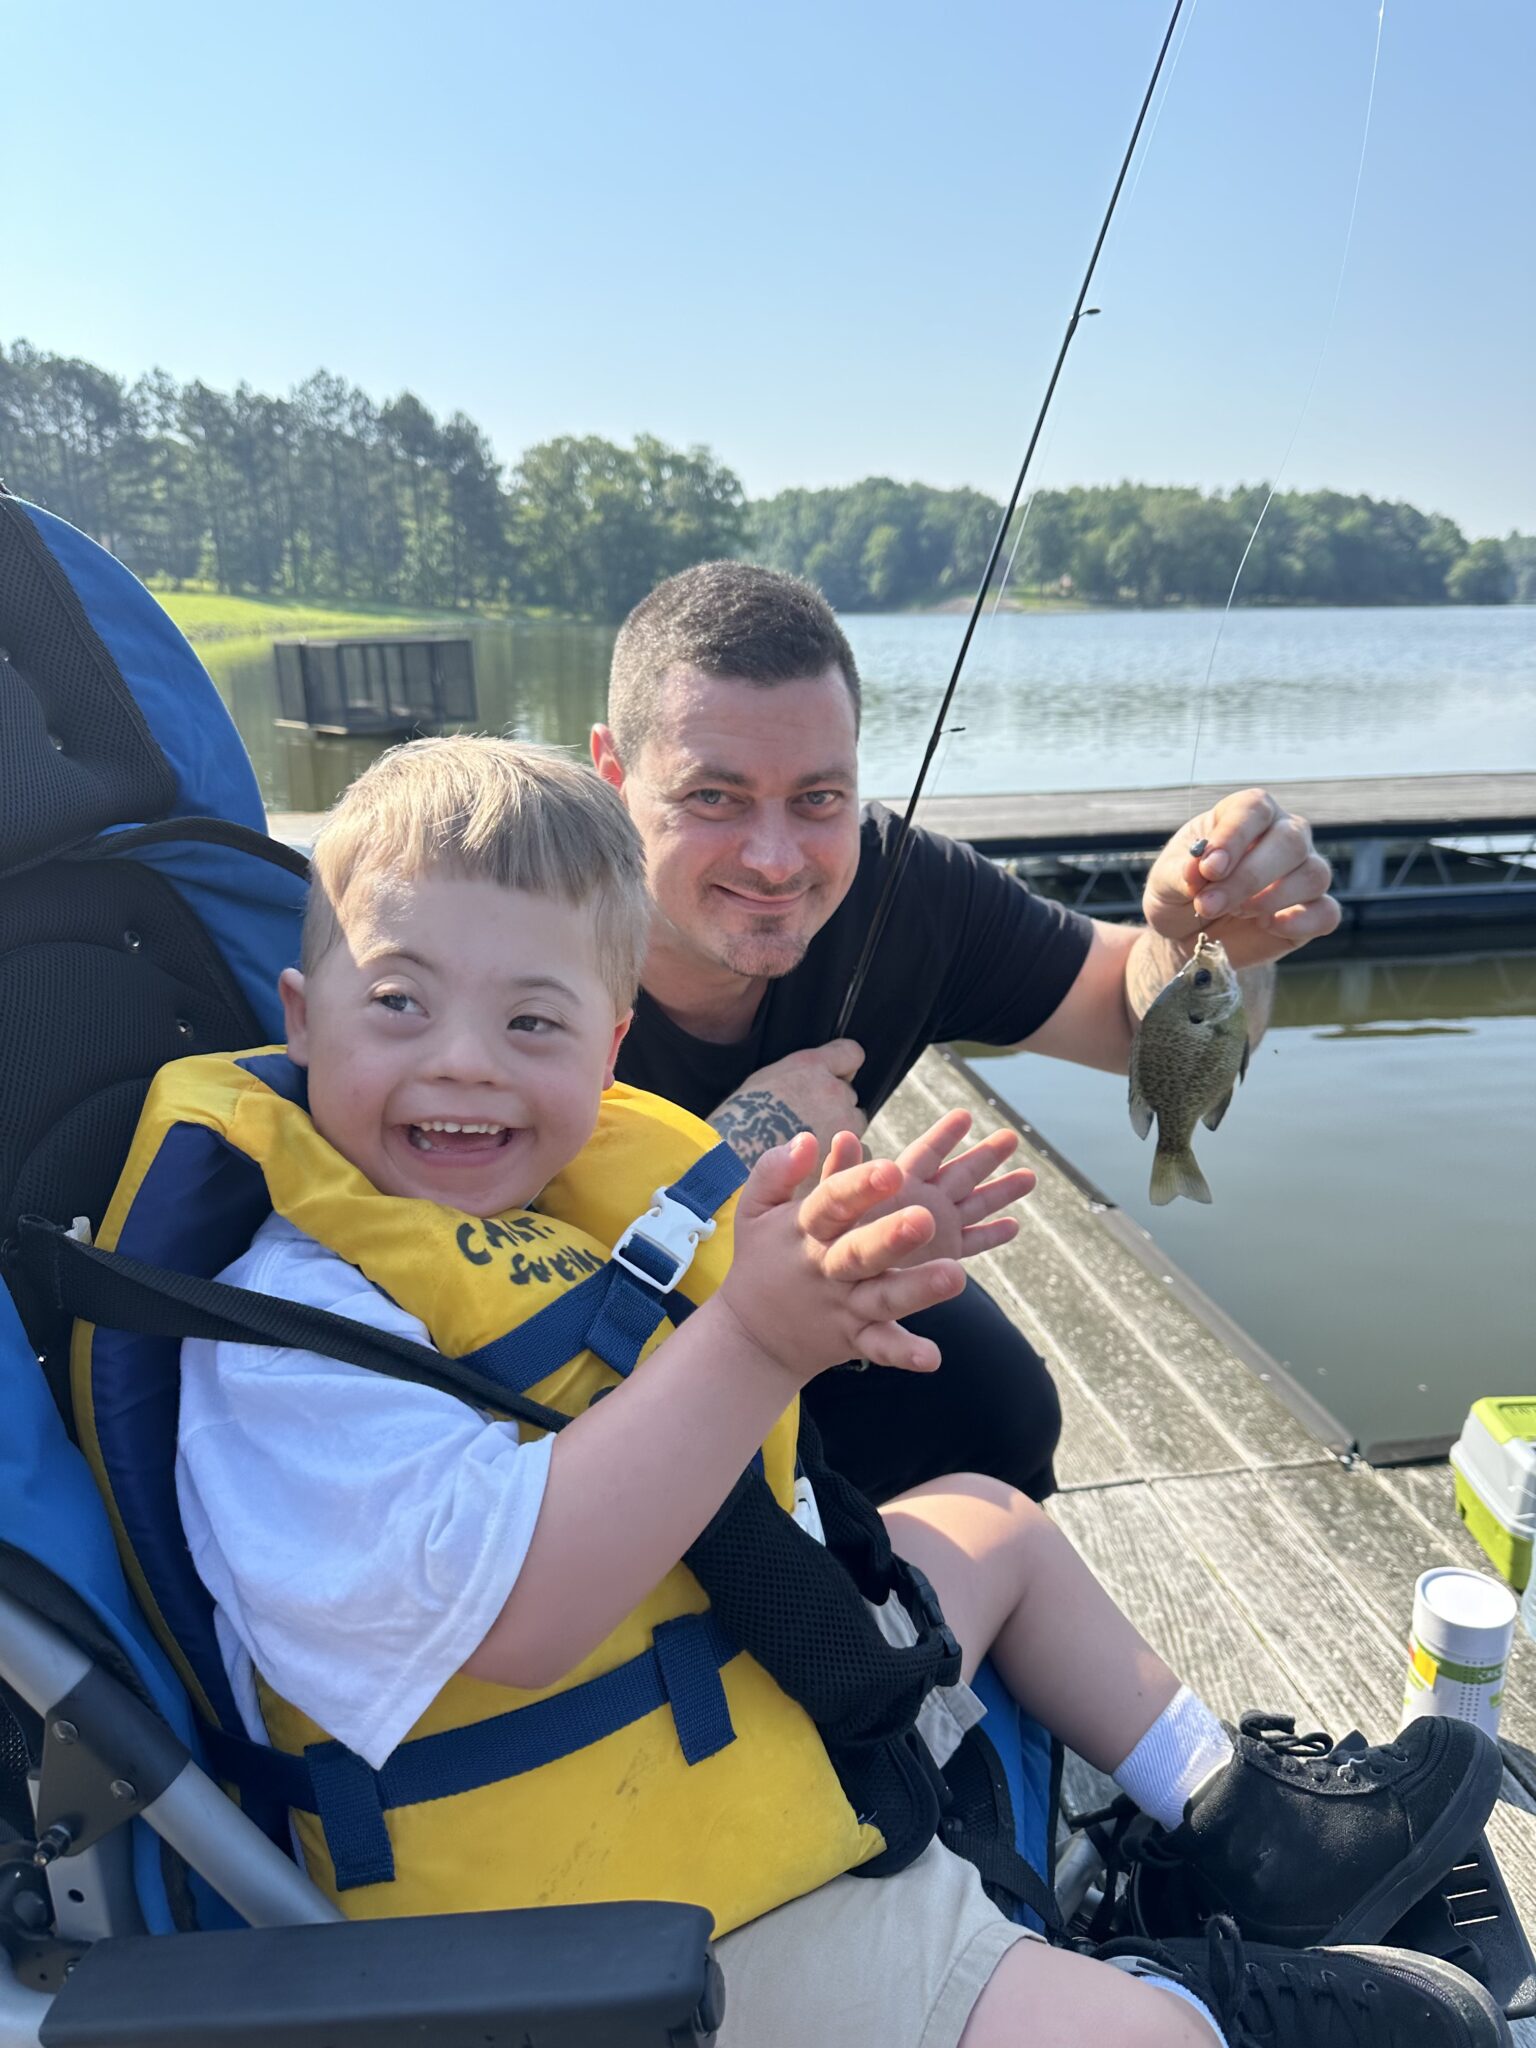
[1189,1053]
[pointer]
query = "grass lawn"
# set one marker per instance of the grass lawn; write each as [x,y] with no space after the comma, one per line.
[205,615]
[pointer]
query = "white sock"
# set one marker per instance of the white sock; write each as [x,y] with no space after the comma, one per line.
[1150,1974]
[1181,1749]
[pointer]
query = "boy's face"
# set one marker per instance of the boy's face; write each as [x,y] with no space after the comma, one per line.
[450,1002]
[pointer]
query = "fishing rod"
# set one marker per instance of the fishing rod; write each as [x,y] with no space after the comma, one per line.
[1081,311]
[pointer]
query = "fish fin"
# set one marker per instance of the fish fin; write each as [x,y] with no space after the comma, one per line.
[1242,1068]
[1214,1116]
[1175,1173]
[1141,1112]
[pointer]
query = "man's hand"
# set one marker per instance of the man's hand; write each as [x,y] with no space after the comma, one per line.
[957,1193]
[805,1091]
[818,1276]
[1259,885]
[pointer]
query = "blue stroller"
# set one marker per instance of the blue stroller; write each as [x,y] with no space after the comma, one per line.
[144,914]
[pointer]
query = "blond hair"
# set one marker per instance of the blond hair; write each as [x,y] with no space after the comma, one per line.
[524,817]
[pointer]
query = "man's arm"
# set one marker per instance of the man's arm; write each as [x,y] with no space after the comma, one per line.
[1258,885]
[805,1091]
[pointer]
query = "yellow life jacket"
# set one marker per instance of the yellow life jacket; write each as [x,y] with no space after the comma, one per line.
[667,1764]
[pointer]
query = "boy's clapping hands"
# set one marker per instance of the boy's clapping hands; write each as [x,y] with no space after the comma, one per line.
[827,1262]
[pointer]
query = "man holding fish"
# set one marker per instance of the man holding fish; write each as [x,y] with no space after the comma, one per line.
[732,736]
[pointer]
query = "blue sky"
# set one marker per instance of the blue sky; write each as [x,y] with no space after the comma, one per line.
[830,240]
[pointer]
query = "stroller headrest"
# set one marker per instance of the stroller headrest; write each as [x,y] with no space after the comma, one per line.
[106,715]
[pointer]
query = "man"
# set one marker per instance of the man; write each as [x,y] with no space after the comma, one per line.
[732,737]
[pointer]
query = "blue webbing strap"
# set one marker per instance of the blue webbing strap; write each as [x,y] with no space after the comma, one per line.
[346,1797]
[611,1313]
[681,1670]
[701,1713]
[710,1182]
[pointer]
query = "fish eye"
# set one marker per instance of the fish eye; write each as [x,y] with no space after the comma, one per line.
[1203,978]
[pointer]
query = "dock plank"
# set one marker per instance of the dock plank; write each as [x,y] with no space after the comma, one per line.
[1380,1546]
[1140,1551]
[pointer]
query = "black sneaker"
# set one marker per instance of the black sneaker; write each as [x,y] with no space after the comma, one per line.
[1304,1844]
[1325,1997]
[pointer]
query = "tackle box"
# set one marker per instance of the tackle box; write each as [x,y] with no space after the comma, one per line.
[1494,1461]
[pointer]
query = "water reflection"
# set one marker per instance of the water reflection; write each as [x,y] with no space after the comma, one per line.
[1360,997]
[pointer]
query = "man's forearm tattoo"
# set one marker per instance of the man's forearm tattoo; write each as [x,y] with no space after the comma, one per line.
[754,1122]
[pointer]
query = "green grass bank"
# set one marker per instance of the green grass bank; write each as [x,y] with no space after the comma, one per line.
[210,615]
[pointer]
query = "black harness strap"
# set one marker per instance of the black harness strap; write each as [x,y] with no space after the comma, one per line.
[200,832]
[797,1606]
[125,1294]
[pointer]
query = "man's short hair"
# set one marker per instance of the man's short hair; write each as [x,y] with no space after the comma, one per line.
[722,619]
[521,816]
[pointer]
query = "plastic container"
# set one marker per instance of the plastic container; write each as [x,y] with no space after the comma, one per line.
[1463,1626]
[1494,1462]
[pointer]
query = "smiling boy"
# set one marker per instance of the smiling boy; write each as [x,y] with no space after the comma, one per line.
[394,1569]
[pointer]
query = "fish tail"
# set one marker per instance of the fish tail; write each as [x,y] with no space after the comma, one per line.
[1175,1173]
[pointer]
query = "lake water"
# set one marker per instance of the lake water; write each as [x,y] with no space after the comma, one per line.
[1373,1209]
[1088,700]
[1373,1220]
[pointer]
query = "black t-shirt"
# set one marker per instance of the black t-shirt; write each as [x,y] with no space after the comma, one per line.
[967,952]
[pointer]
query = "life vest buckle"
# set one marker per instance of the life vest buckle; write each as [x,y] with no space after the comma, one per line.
[670,1229]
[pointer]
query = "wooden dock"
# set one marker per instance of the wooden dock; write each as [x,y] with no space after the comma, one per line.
[1129,820]
[1413,855]
[1271,1571]
[383,685]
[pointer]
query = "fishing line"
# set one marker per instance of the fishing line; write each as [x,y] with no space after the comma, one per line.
[1306,404]
[1130,207]
[1173,72]
[1029,506]
[1080,312]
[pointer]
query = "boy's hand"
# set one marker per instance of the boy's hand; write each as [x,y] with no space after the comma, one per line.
[818,1275]
[957,1194]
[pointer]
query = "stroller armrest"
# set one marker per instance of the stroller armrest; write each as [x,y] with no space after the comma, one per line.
[634,1975]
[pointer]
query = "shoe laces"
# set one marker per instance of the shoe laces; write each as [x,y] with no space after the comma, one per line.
[1122,1834]
[1279,2000]
[1315,1755]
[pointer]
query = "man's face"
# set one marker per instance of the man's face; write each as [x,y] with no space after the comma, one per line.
[746,798]
[458,1037]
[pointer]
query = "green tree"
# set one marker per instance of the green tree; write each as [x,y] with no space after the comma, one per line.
[1481,576]
[595,526]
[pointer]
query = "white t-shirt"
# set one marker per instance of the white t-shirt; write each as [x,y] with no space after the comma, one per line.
[358,1533]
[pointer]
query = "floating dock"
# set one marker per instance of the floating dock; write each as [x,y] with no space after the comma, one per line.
[1411,853]
[1272,1567]
[1414,856]
[388,686]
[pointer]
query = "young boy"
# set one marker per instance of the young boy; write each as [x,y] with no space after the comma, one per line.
[387,1561]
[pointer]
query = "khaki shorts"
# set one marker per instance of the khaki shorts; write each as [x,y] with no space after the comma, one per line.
[867,1962]
[949,1710]
[873,1962]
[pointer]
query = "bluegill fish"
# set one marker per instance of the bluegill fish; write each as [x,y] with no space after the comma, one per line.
[1189,1053]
